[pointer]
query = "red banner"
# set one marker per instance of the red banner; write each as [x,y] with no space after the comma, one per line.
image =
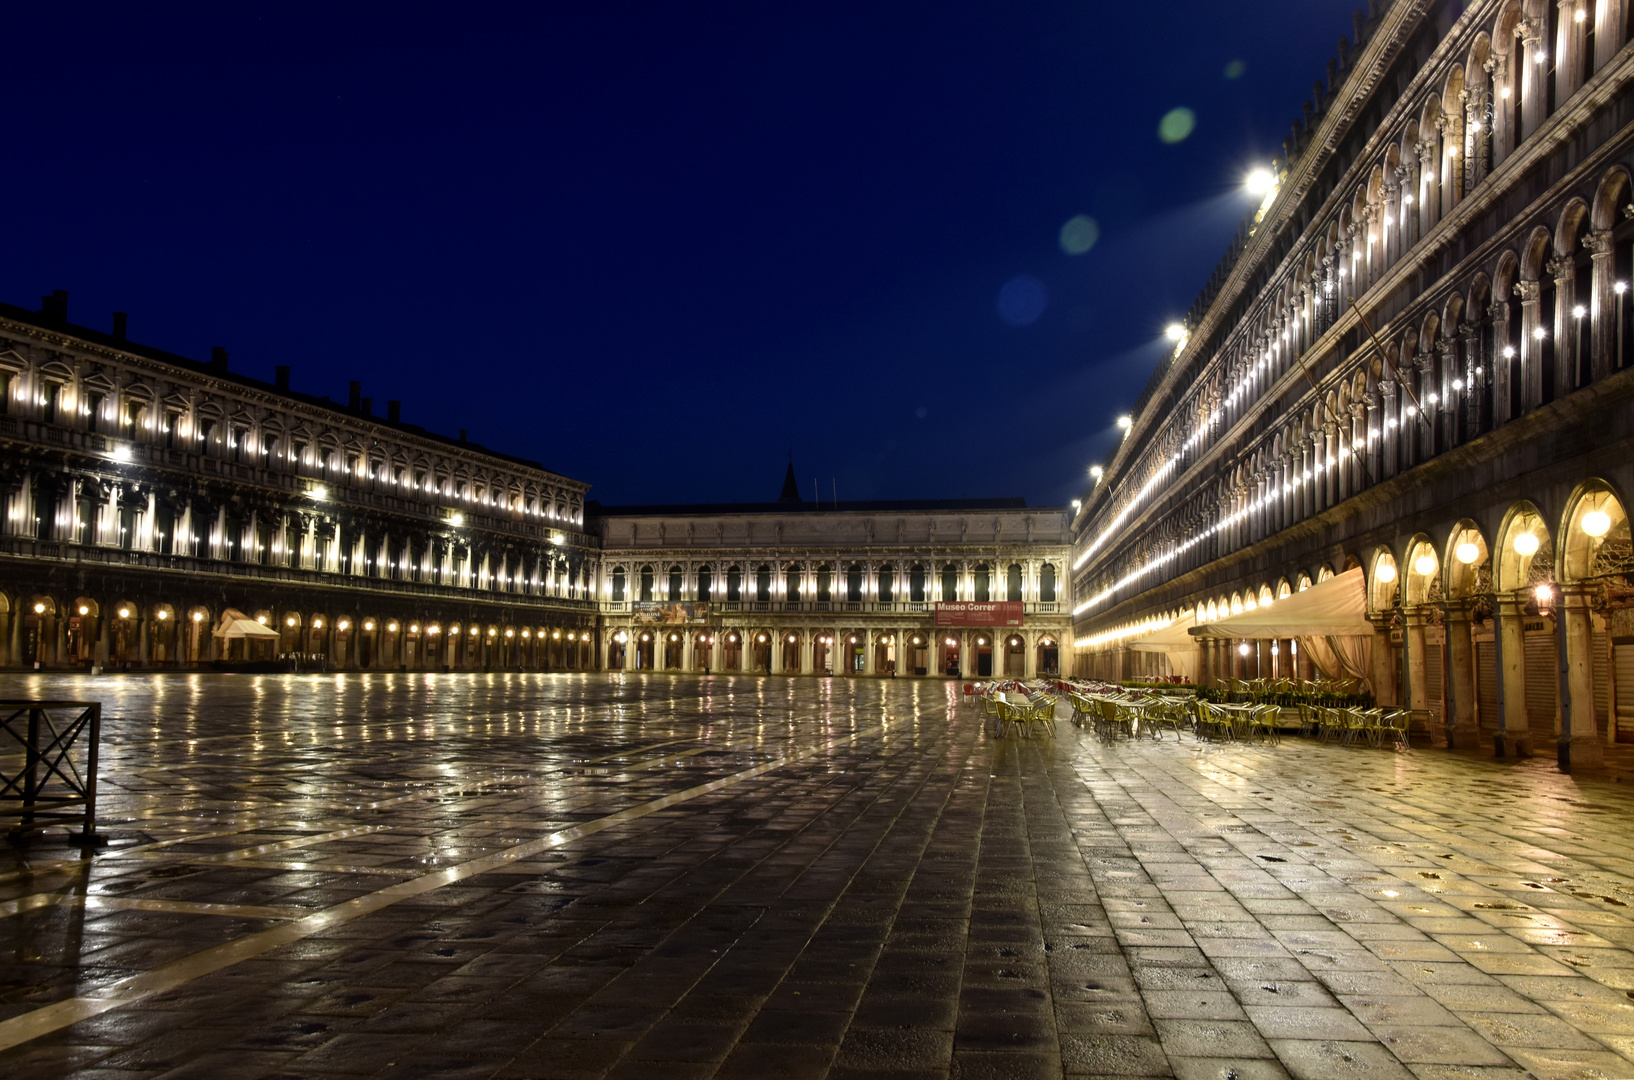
[977,613]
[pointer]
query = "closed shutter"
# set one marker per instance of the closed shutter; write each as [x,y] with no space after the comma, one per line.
[1542,682]
[1602,688]
[1486,684]
[1433,681]
[1625,691]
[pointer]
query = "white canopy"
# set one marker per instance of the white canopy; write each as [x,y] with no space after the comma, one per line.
[235,625]
[1335,608]
[1172,638]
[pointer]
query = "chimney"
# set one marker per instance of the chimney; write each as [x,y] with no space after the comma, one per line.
[119,318]
[354,395]
[218,359]
[367,406]
[55,306]
[462,434]
[394,411]
[280,378]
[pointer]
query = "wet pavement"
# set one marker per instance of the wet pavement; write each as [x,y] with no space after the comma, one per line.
[632,876]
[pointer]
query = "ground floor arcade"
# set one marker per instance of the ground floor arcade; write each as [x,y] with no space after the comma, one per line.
[1020,652]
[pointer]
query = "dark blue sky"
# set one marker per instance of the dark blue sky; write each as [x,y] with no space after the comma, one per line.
[658,246]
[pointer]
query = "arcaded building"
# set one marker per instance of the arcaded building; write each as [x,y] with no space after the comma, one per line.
[148,496]
[971,587]
[168,514]
[1414,361]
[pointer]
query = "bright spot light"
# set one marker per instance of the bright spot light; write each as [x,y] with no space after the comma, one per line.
[1425,565]
[1467,552]
[122,453]
[1096,471]
[1260,182]
[1596,523]
[1126,422]
[1526,544]
[1174,332]
[1386,572]
[319,492]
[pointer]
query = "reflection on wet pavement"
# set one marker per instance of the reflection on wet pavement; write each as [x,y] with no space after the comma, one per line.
[593,875]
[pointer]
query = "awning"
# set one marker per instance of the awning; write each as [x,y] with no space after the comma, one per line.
[1335,608]
[1172,638]
[235,624]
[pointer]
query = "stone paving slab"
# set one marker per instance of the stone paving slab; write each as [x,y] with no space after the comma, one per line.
[554,876]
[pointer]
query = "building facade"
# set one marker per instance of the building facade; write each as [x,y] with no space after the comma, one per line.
[146,495]
[797,588]
[1415,359]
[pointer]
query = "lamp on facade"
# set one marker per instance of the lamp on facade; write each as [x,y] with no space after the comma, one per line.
[1467,552]
[83,610]
[1385,572]
[1525,543]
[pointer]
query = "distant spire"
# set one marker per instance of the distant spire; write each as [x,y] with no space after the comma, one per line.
[791,486]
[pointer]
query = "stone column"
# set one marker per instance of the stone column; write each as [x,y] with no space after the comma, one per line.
[1579,744]
[1385,689]
[1502,391]
[1531,80]
[689,649]
[631,639]
[1602,303]
[775,663]
[1565,327]
[1528,293]
[1514,735]
[1418,698]
[1460,721]
[1029,655]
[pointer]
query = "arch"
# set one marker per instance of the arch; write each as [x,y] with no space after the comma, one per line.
[1573,216]
[1594,533]
[1535,254]
[1610,198]
[1515,561]
[1421,570]
[1465,557]
[1383,580]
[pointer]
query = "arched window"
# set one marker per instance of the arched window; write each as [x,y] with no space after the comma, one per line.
[646,582]
[675,579]
[1046,584]
[763,583]
[916,583]
[887,584]
[825,583]
[984,583]
[706,583]
[950,582]
[1012,582]
[791,585]
[853,582]
[734,584]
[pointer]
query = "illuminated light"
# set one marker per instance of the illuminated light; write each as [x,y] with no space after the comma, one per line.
[1509,352]
[1458,384]
[456,519]
[83,610]
[1126,422]
[1581,15]
[369,624]
[791,638]
[1543,593]
[1475,125]
[290,621]
[1504,93]
[343,624]
[527,633]
[1620,287]
[492,631]
[644,637]
[1407,200]
[1452,151]
[391,628]
[1174,332]
[1077,504]
[319,492]
[198,616]
[1096,471]
[1467,552]
[1541,57]
[1243,650]
[1578,311]
[1540,333]
[39,609]
[1596,523]
[124,612]
[1260,182]
[163,615]
[1385,572]
[1526,543]
[1425,565]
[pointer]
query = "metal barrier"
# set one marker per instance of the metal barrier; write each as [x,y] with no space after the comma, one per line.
[50,788]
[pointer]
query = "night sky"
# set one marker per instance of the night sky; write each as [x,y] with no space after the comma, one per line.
[658,247]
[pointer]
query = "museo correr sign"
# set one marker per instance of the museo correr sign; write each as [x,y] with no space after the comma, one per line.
[979,613]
